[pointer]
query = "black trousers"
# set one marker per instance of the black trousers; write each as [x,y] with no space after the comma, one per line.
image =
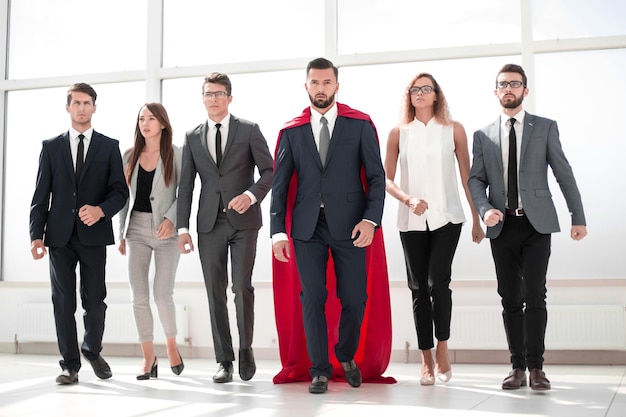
[428,256]
[63,262]
[521,257]
[312,260]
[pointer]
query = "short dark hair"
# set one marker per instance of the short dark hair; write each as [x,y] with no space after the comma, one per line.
[322,63]
[81,88]
[514,68]
[218,78]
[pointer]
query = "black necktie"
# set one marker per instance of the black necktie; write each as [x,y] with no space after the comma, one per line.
[324,140]
[218,144]
[512,195]
[80,156]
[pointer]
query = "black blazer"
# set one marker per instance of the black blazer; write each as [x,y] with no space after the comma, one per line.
[57,199]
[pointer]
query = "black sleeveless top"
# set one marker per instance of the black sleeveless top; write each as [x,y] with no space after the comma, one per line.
[144,188]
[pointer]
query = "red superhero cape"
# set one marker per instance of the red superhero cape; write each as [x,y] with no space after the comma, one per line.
[374,349]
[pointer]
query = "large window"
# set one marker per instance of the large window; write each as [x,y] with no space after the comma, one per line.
[53,38]
[36,115]
[160,50]
[200,32]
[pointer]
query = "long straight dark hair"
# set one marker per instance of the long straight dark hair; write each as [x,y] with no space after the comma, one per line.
[167,152]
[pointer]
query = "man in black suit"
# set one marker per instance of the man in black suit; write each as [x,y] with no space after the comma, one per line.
[333,152]
[80,187]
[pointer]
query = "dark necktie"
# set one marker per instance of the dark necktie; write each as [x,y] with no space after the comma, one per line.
[80,156]
[218,144]
[512,195]
[324,140]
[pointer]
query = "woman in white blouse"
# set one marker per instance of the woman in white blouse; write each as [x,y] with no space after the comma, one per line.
[426,144]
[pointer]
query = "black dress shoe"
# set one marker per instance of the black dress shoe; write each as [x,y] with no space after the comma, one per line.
[224,373]
[515,380]
[67,377]
[154,372]
[178,369]
[538,381]
[319,385]
[247,367]
[100,367]
[352,373]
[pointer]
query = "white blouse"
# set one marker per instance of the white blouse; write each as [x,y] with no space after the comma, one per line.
[428,172]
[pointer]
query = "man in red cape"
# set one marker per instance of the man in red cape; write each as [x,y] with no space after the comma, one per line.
[374,348]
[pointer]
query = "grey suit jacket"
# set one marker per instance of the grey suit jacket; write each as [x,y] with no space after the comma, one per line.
[162,197]
[540,148]
[245,149]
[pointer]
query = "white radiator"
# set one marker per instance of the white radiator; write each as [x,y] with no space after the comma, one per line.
[569,328]
[35,323]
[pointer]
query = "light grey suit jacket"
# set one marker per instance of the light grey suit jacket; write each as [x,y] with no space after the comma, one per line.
[245,149]
[540,148]
[162,197]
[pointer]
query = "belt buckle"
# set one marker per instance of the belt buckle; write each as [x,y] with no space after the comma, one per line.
[519,212]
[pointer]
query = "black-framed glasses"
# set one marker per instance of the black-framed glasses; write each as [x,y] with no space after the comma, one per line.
[513,84]
[217,94]
[425,89]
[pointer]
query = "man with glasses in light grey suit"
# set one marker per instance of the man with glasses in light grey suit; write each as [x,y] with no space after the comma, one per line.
[224,151]
[509,187]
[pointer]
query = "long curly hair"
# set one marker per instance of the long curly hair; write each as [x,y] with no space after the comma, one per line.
[166,151]
[440,106]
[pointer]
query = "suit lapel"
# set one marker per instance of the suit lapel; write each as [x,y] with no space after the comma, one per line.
[495,134]
[529,125]
[92,151]
[67,153]
[158,174]
[334,138]
[232,131]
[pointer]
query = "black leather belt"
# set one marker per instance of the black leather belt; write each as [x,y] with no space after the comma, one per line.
[517,212]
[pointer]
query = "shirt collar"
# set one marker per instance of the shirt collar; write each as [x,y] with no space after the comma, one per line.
[330,115]
[224,122]
[519,117]
[87,133]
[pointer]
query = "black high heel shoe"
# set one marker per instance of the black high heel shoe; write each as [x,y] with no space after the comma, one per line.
[154,372]
[178,369]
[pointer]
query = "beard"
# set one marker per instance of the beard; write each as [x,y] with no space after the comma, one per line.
[507,104]
[322,104]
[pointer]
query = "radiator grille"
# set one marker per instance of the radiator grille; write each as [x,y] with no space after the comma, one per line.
[35,323]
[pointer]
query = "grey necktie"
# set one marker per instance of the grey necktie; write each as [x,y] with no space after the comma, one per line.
[324,140]
[80,157]
[512,184]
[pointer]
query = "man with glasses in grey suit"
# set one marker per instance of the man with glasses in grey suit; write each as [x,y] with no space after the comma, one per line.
[224,151]
[509,187]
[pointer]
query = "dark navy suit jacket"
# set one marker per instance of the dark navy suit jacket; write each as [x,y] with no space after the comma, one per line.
[338,184]
[57,198]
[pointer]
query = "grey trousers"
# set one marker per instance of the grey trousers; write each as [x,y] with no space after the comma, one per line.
[142,243]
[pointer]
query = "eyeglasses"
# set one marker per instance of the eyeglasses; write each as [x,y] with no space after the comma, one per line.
[513,84]
[426,89]
[218,94]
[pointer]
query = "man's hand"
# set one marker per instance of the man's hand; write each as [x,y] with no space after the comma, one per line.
[578,232]
[493,217]
[364,234]
[37,249]
[281,250]
[240,204]
[90,215]
[185,244]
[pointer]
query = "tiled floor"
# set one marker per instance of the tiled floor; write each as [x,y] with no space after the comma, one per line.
[27,388]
